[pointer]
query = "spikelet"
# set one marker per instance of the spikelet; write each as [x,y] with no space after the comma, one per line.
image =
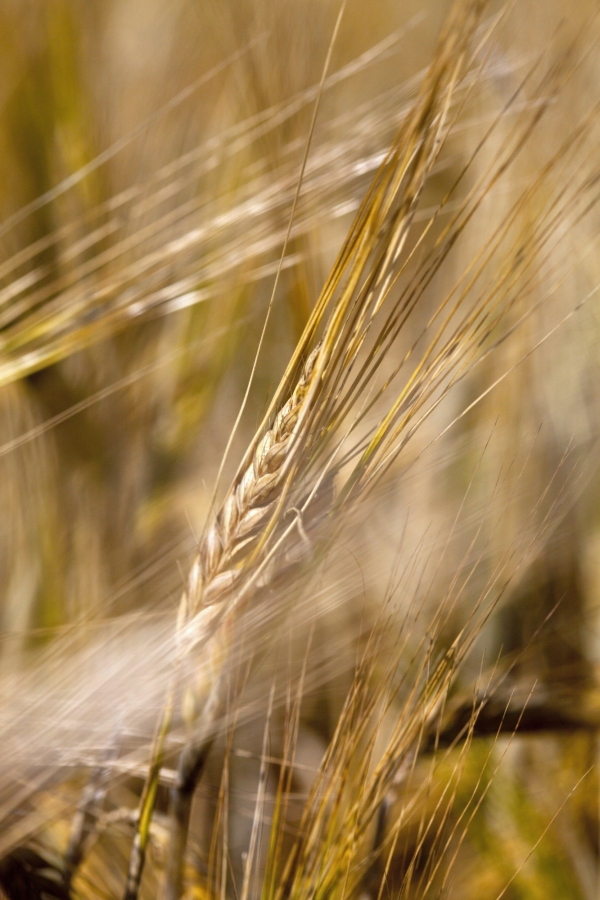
[219,562]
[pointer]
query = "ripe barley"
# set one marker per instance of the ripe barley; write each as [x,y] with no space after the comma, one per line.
[220,560]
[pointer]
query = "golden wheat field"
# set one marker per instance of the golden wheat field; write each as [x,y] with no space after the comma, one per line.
[299,449]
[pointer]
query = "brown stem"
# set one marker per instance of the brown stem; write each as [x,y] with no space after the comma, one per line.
[496,716]
[84,821]
[191,765]
[189,771]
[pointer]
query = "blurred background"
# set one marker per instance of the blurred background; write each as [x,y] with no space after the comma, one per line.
[149,156]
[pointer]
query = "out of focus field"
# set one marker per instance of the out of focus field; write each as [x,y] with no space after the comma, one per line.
[149,158]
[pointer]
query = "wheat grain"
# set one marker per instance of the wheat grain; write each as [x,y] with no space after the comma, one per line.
[219,563]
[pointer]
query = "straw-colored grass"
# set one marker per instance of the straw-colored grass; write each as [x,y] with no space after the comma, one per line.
[340,625]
